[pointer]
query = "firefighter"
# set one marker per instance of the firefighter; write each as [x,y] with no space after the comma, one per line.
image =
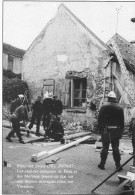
[111,127]
[36,115]
[55,130]
[18,115]
[47,110]
[132,132]
[16,103]
[57,106]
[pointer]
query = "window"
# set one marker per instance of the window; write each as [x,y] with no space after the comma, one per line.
[10,63]
[48,86]
[78,92]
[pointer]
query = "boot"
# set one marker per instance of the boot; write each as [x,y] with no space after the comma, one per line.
[103,160]
[21,141]
[117,159]
[37,134]
[101,166]
[8,139]
[28,133]
[117,167]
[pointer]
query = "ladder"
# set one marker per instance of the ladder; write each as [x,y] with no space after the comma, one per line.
[128,84]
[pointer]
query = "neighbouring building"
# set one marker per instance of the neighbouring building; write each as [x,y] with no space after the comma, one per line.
[12,58]
[68,59]
[122,72]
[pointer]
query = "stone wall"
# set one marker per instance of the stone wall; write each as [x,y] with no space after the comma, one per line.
[65,45]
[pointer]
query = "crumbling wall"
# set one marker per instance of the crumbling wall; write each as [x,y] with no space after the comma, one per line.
[65,45]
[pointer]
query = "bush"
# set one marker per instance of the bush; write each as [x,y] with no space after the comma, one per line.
[12,88]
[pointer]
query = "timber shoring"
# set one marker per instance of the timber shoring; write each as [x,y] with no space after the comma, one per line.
[44,154]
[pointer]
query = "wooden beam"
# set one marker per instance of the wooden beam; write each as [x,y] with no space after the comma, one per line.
[122,86]
[33,139]
[45,154]
[72,136]
[23,129]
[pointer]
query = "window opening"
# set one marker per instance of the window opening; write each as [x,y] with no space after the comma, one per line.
[48,86]
[79,92]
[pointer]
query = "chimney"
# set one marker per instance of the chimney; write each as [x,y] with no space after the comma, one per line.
[133,42]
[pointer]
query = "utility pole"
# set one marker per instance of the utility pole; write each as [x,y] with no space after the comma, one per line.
[117,10]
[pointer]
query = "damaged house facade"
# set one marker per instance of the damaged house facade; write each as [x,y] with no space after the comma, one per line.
[70,61]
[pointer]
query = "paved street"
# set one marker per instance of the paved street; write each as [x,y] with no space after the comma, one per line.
[75,172]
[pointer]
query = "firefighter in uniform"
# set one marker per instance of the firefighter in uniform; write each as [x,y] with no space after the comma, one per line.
[36,115]
[57,106]
[20,114]
[47,110]
[16,103]
[55,130]
[111,127]
[132,132]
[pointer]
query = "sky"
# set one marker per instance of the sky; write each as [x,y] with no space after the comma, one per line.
[24,20]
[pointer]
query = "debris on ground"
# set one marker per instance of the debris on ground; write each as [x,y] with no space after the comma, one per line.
[5,163]
[52,161]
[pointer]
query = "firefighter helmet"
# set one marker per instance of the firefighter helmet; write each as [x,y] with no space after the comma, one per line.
[112,94]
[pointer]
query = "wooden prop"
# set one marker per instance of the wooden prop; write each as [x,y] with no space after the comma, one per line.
[44,154]
[33,139]
[77,135]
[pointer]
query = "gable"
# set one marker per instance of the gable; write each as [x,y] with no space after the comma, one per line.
[83,27]
[64,13]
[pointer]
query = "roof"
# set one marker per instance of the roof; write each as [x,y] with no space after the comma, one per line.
[127,50]
[9,49]
[79,21]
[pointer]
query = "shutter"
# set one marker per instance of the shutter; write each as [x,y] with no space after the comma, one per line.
[65,98]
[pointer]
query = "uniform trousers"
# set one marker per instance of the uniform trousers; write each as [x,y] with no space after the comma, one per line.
[15,128]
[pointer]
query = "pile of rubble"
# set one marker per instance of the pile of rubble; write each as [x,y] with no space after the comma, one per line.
[72,127]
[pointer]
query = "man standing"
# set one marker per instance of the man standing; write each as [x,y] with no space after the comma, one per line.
[47,110]
[36,115]
[57,106]
[20,114]
[111,127]
[132,132]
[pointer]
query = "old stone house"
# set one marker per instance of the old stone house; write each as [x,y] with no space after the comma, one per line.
[68,59]
[12,58]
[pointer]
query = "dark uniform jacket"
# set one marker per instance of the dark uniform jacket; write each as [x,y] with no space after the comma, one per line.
[132,128]
[37,108]
[47,105]
[56,128]
[20,113]
[111,119]
[57,107]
